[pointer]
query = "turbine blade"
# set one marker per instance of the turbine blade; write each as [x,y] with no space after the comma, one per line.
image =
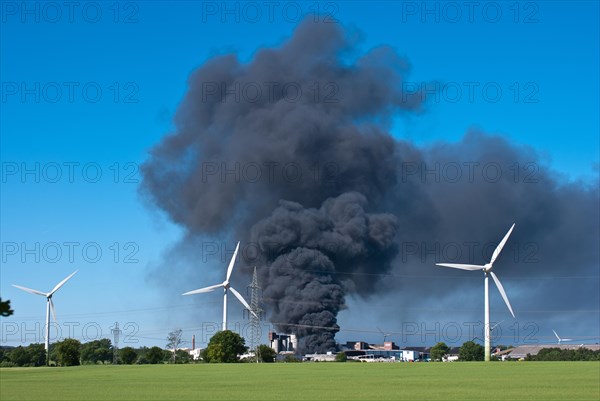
[496,325]
[501,244]
[62,282]
[503,293]
[52,309]
[242,300]
[30,290]
[202,290]
[461,266]
[232,261]
[557,337]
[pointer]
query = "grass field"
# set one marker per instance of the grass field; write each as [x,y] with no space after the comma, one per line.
[308,381]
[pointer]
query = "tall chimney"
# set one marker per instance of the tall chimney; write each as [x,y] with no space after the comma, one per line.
[193,341]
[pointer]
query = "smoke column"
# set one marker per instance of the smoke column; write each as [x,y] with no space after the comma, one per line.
[291,152]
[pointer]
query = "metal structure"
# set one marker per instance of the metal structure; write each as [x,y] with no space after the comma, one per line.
[116,333]
[255,291]
[49,308]
[487,271]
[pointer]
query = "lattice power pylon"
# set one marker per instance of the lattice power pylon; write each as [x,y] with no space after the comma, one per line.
[255,332]
[116,333]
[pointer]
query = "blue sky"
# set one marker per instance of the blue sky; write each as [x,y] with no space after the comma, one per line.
[84,146]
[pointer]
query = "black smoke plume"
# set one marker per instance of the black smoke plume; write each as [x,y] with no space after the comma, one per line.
[292,152]
[303,249]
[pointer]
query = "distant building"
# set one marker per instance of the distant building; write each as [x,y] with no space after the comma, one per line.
[328,357]
[283,343]
[388,351]
[195,353]
[521,351]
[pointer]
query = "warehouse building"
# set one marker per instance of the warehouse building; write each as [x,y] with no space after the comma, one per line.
[521,351]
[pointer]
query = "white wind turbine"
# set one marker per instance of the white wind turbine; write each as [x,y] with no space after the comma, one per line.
[487,269]
[384,334]
[226,286]
[561,339]
[49,307]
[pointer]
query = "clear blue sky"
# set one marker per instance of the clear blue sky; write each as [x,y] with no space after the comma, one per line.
[544,56]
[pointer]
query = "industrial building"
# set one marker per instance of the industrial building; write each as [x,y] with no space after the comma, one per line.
[283,343]
[361,350]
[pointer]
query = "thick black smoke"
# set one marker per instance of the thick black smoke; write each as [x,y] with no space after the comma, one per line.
[305,247]
[292,152]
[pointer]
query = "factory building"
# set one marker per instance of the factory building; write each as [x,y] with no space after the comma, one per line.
[283,343]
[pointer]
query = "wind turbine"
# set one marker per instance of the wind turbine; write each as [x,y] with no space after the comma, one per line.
[226,286]
[385,335]
[487,269]
[561,339]
[49,307]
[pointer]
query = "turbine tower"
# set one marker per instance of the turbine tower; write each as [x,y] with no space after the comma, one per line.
[487,270]
[226,286]
[49,307]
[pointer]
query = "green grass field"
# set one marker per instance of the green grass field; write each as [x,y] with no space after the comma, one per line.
[308,381]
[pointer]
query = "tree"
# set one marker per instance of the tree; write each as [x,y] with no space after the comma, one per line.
[154,355]
[19,356]
[97,351]
[224,347]
[5,308]
[127,355]
[183,356]
[341,357]
[67,352]
[438,351]
[37,354]
[174,341]
[266,354]
[471,351]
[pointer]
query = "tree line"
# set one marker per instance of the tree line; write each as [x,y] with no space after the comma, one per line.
[560,354]
[224,347]
[71,352]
